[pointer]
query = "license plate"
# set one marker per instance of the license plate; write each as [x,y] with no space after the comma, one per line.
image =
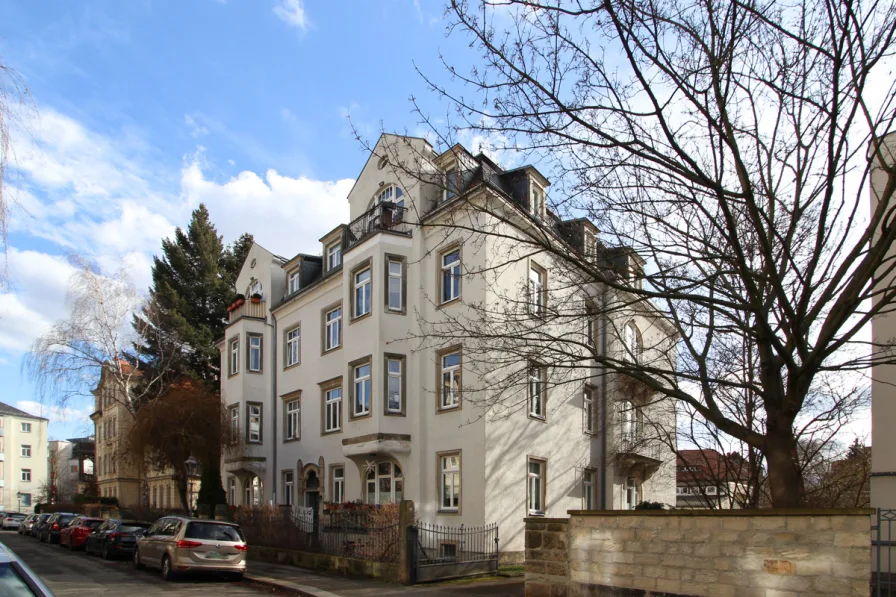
[214,555]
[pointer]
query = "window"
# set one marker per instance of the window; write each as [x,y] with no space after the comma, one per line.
[391,194]
[26,499]
[26,451]
[632,494]
[232,491]
[394,385]
[537,292]
[633,346]
[338,495]
[384,483]
[293,429]
[287,488]
[234,356]
[395,285]
[293,282]
[450,278]
[254,428]
[450,482]
[537,201]
[588,490]
[588,409]
[26,474]
[333,329]
[293,338]
[632,421]
[361,397]
[362,293]
[254,353]
[590,245]
[333,409]
[451,182]
[234,423]
[334,255]
[26,427]
[537,375]
[536,486]
[450,394]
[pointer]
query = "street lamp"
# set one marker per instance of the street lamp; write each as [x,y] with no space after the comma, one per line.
[191,467]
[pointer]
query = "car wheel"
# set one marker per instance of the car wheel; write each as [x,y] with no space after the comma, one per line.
[167,572]
[137,563]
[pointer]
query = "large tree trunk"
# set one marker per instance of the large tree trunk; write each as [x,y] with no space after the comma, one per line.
[785,478]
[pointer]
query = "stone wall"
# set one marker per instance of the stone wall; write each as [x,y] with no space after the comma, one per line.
[740,553]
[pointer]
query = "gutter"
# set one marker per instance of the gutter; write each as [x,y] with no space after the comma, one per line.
[274,349]
[602,419]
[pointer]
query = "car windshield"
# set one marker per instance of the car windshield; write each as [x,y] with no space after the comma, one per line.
[132,527]
[92,524]
[213,532]
[65,519]
[12,584]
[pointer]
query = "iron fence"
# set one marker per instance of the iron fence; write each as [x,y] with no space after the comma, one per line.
[883,554]
[450,552]
[385,216]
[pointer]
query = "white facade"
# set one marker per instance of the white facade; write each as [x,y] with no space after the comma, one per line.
[397,432]
[23,459]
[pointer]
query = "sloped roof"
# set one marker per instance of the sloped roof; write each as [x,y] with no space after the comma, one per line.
[11,411]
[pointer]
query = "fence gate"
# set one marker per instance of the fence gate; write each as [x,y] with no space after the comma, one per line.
[883,554]
[442,552]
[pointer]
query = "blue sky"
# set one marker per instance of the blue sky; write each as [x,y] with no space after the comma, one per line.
[146,108]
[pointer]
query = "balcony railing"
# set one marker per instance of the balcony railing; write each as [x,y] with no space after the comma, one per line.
[385,216]
[248,309]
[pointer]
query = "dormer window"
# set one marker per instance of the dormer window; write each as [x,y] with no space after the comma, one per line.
[451,182]
[590,245]
[537,201]
[391,194]
[294,281]
[334,255]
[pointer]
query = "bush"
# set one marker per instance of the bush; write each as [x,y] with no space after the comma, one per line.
[650,506]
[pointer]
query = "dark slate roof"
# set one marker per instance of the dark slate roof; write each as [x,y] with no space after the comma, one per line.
[12,411]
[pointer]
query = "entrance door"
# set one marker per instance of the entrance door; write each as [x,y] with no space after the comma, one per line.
[312,498]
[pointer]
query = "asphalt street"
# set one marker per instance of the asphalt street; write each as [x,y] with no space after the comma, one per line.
[69,573]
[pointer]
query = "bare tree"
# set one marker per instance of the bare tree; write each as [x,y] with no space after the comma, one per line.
[97,341]
[722,150]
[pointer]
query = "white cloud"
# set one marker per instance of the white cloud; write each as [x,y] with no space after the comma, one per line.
[56,414]
[196,130]
[292,12]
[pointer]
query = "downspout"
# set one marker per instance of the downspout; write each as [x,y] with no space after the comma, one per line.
[275,347]
[602,419]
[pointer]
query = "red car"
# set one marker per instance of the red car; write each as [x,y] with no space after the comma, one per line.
[75,534]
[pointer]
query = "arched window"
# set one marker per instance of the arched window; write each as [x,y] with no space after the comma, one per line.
[390,194]
[633,347]
[384,483]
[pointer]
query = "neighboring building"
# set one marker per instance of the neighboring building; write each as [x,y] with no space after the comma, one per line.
[23,459]
[708,479]
[332,402]
[883,377]
[71,467]
[119,472]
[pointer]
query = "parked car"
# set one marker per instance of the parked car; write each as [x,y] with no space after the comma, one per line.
[115,537]
[41,520]
[25,525]
[12,521]
[49,531]
[75,534]
[16,578]
[178,544]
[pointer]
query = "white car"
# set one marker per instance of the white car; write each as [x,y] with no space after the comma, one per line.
[12,521]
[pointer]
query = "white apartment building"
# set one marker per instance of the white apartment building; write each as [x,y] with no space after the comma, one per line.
[23,459]
[335,401]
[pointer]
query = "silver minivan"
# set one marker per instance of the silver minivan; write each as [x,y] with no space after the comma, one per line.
[179,544]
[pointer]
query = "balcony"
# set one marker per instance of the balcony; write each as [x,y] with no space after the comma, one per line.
[248,309]
[385,217]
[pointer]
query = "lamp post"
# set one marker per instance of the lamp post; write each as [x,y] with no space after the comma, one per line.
[191,467]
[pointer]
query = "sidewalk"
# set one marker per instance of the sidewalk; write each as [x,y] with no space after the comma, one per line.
[315,584]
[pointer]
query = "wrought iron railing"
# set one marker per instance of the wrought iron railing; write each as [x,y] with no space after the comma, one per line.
[383,217]
[883,554]
[437,544]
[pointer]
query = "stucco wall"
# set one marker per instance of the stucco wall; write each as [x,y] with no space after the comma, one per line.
[758,553]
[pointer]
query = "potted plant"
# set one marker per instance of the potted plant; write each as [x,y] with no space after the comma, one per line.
[256,298]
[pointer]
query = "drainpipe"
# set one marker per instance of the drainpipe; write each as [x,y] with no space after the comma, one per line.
[275,347]
[602,419]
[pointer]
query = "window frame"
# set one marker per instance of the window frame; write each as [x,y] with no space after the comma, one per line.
[452,188]
[331,249]
[589,412]
[361,268]
[352,369]
[233,358]
[325,327]
[402,380]
[293,398]
[403,283]
[326,388]
[25,472]
[442,271]
[440,371]
[337,482]
[537,309]
[393,464]
[589,483]
[23,448]
[289,485]
[25,427]
[250,336]
[542,477]
[249,407]
[633,343]
[294,276]
[235,428]
[441,472]
[287,349]
[538,209]
[531,380]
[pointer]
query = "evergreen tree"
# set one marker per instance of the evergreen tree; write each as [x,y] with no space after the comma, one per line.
[211,490]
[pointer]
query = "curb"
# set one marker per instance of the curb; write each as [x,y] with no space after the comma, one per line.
[303,590]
